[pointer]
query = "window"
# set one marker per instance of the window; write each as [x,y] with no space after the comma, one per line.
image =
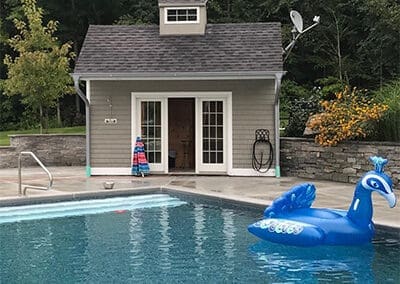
[182,15]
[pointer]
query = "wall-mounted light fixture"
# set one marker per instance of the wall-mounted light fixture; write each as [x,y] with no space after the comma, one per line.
[110,119]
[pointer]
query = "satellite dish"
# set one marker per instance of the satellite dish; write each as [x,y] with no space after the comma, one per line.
[297,20]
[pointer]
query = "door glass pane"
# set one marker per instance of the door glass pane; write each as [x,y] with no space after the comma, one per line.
[206,157]
[220,157]
[151,130]
[213,144]
[213,139]
[212,107]
[219,118]
[213,120]
[220,132]
[219,107]
[219,144]
[213,158]
[206,145]
[206,132]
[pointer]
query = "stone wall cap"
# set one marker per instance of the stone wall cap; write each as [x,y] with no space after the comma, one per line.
[8,147]
[374,143]
[46,135]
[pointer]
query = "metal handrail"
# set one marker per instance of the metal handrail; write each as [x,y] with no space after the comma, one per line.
[23,192]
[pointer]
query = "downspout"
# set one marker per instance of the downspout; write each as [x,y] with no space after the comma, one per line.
[278,81]
[87,115]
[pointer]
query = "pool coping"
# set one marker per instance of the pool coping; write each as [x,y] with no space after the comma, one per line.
[248,203]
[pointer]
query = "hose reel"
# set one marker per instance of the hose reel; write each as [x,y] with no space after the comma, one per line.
[262,151]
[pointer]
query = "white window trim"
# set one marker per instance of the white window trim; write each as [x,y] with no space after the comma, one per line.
[181,22]
[198,96]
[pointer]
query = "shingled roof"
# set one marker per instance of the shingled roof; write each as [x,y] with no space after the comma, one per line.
[133,49]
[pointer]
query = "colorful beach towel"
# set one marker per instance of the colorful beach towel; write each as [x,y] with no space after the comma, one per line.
[140,166]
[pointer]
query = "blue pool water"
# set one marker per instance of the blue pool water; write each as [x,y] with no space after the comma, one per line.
[193,242]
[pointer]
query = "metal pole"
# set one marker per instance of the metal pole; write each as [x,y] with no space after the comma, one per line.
[19,176]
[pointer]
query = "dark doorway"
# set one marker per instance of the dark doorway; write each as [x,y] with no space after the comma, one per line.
[181,134]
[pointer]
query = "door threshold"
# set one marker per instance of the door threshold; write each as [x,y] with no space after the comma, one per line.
[182,173]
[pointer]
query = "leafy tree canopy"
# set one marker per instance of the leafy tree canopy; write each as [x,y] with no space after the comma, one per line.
[40,71]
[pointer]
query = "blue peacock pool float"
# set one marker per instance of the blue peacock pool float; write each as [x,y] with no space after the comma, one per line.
[291,221]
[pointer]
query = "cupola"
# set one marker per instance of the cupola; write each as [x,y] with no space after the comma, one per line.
[182,17]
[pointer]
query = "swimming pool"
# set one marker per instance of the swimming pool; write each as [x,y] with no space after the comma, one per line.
[194,242]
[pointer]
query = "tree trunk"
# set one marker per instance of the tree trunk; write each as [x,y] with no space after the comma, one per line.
[76,51]
[381,68]
[59,122]
[338,49]
[46,120]
[41,118]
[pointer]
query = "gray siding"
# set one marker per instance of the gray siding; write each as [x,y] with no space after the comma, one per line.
[110,144]
[252,108]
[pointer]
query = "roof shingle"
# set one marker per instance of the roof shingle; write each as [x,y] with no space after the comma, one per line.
[224,48]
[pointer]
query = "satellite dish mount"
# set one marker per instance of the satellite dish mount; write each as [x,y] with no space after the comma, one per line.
[297,30]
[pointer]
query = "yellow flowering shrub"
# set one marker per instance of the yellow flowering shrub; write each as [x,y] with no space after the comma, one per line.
[345,117]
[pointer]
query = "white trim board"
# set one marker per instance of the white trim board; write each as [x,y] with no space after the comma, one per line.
[251,173]
[111,171]
[127,172]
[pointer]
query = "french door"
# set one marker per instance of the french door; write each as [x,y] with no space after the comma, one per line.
[213,129]
[151,124]
[212,134]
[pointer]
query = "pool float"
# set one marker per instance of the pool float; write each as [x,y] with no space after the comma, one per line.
[290,220]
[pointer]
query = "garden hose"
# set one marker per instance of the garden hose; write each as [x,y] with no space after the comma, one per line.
[262,151]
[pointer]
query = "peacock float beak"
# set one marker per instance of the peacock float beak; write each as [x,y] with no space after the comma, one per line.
[390,198]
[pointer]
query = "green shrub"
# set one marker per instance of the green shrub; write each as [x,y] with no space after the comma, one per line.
[299,112]
[388,128]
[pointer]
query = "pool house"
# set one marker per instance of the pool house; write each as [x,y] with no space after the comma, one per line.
[194,92]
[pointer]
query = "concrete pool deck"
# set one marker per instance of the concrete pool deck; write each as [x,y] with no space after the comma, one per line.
[70,182]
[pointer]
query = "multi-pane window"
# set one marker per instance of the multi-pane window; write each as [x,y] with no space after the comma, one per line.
[151,130]
[182,15]
[213,132]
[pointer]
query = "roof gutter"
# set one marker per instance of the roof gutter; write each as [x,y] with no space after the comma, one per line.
[87,116]
[278,82]
[235,75]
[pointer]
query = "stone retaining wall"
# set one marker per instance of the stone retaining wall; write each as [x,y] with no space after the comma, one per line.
[51,149]
[346,162]
[299,157]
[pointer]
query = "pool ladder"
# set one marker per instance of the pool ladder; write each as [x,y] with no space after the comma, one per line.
[23,192]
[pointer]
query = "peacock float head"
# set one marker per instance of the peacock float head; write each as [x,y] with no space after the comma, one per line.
[378,181]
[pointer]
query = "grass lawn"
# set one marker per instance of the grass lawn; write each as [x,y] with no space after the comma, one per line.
[5,141]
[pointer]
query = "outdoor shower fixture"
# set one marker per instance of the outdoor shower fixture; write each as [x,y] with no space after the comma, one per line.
[297,30]
[111,119]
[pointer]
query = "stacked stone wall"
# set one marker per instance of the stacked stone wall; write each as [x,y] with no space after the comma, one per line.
[346,162]
[51,149]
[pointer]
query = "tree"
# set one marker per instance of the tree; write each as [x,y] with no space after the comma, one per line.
[40,71]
